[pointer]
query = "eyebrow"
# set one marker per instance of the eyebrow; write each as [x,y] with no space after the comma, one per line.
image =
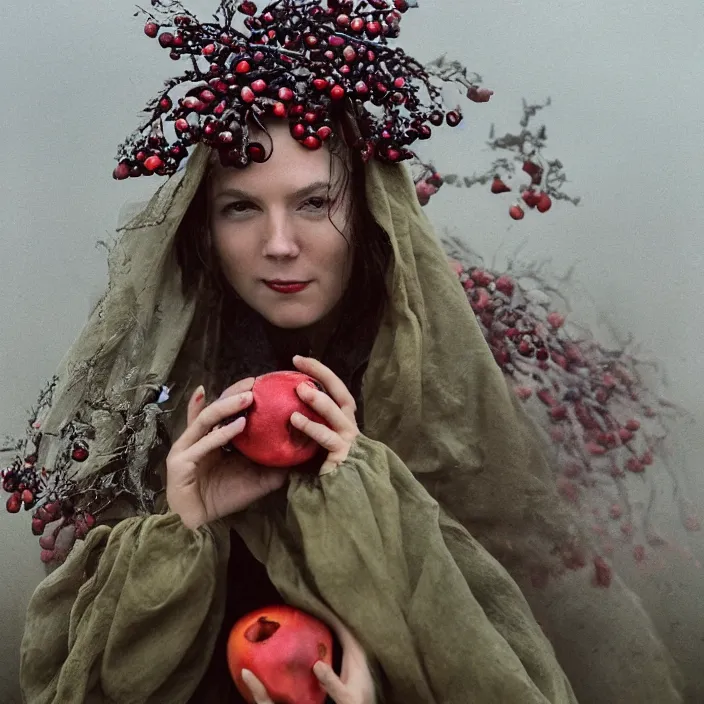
[300,193]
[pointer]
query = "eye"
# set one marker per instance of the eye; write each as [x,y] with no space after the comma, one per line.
[239,206]
[316,203]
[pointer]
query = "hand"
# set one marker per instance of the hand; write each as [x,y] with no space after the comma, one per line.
[337,407]
[354,685]
[203,483]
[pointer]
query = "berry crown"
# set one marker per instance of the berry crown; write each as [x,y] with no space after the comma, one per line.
[296,60]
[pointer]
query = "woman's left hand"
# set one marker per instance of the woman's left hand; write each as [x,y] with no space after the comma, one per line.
[355,684]
[337,407]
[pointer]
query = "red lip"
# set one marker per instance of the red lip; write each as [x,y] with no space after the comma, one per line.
[287,286]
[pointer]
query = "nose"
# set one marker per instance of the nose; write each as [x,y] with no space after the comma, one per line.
[280,241]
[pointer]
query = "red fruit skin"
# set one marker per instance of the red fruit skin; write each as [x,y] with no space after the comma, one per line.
[283,662]
[269,438]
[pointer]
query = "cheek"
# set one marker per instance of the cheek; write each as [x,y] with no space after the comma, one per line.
[230,251]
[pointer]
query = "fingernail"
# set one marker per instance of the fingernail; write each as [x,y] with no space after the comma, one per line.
[200,394]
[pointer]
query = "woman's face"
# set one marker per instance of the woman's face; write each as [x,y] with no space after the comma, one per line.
[280,230]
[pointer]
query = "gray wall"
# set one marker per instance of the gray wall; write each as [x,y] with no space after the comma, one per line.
[626,121]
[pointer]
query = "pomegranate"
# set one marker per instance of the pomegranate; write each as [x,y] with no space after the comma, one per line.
[269,438]
[280,645]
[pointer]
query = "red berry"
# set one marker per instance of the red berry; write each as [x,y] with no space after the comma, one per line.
[46,556]
[393,155]
[531,168]
[349,53]
[373,29]
[556,320]
[343,20]
[320,83]
[594,448]
[209,49]
[247,94]
[357,24]
[312,142]
[89,519]
[243,67]
[259,86]
[247,8]
[47,542]
[193,103]
[166,103]
[401,5]
[635,465]
[298,130]
[182,125]
[337,92]
[310,39]
[625,435]
[80,452]
[14,503]
[498,186]
[285,94]
[558,412]
[121,172]
[602,572]
[530,197]
[324,132]
[361,88]
[481,277]
[479,95]
[336,41]
[633,425]
[38,526]
[279,110]
[453,118]
[151,29]
[544,203]
[516,212]
[53,509]
[166,39]
[256,152]
[27,497]
[615,512]
[399,82]
[505,285]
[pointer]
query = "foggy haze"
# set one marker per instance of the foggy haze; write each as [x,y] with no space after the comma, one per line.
[626,122]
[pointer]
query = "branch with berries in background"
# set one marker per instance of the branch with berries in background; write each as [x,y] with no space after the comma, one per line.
[599,406]
[66,507]
[521,156]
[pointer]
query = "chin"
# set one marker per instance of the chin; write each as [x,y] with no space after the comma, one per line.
[293,319]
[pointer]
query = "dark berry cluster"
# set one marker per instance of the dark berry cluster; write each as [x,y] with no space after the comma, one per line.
[594,405]
[296,60]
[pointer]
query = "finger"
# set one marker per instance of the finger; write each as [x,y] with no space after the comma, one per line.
[329,681]
[195,404]
[326,407]
[261,696]
[214,440]
[239,387]
[324,436]
[210,416]
[332,383]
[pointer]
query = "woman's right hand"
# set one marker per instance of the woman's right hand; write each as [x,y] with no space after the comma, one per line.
[202,482]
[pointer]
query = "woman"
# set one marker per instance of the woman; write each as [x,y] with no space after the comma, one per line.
[431,474]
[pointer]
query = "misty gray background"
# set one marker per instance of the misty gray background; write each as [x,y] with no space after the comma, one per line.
[626,120]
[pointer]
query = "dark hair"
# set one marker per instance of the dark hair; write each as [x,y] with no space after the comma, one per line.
[366,294]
